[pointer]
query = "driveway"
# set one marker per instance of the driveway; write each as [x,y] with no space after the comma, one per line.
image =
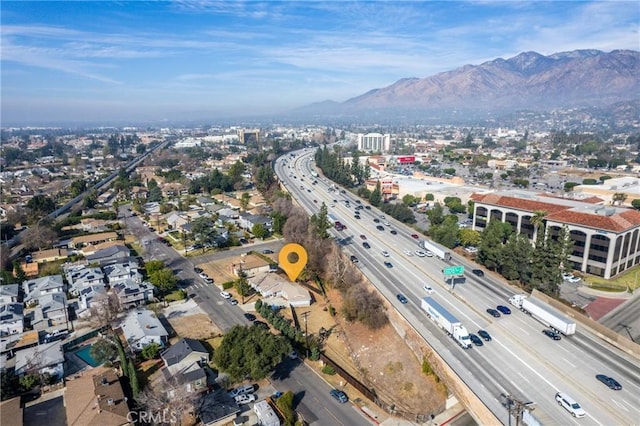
[48,412]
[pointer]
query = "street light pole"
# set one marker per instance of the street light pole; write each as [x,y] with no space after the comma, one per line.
[306,333]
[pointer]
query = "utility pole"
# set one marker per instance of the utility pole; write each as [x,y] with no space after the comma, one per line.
[304,316]
[516,407]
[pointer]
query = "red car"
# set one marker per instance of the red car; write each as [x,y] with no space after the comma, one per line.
[415,236]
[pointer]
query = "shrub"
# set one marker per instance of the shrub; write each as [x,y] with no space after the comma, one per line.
[227,285]
[329,370]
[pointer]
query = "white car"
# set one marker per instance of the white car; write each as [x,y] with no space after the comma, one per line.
[385,253]
[387,223]
[242,390]
[420,253]
[471,249]
[225,295]
[245,399]
[428,253]
[427,288]
[408,253]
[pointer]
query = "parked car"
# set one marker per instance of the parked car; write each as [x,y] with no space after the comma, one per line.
[609,381]
[225,295]
[198,270]
[402,299]
[339,395]
[245,399]
[493,313]
[478,272]
[249,316]
[232,301]
[475,340]
[267,251]
[485,335]
[503,309]
[471,249]
[242,390]
[551,334]
[261,324]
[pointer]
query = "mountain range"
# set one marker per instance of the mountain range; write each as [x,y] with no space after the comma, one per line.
[528,81]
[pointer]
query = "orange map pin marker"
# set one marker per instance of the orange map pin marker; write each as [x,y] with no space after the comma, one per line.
[293,259]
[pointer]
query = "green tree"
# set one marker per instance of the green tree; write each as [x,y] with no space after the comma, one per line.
[259,230]
[164,279]
[516,258]
[151,351]
[636,203]
[409,200]
[285,404]
[103,350]
[133,379]
[429,197]
[235,174]
[153,266]
[619,198]
[250,352]
[447,232]
[77,187]
[469,237]
[244,201]
[278,221]
[568,186]
[124,362]
[29,381]
[490,247]
[41,204]
[376,195]
[242,286]
[320,223]
[436,214]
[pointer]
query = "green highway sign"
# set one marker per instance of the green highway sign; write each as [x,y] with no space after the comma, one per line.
[453,270]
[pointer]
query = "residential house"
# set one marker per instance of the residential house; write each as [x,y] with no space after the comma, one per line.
[278,291]
[119,272]
[92,239]
[51,310]
[50,255]
[97,398]
[80,277]
[217,409]
[247,221]
[9,293]
[35,288]
[141,328]
[113,252]
[250,265]
[176,220]
[131,293]
[47,358]
[11,319]
[90,296]
[185,364]
[88,251]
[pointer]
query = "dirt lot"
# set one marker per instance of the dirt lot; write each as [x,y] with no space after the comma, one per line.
[379,358]
[197,326]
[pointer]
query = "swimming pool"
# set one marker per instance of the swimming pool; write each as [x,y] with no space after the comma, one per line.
[84,355]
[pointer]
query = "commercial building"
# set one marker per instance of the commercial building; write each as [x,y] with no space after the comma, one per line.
[374,142]
[606,238]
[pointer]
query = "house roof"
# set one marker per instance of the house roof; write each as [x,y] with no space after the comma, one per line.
[609,218]
[11,312]
[9,290]
[140,323]
[48,254]
[109,249]
[181,350]
[44,355]
[87,399]
[91,238]
[216,406]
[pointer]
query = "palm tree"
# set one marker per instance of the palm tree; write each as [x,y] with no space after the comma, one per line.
[618,197]
[537,220]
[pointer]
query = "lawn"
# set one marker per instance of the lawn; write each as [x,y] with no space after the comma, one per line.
[628,280]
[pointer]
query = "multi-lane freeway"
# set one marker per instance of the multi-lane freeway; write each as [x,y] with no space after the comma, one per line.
[519,361]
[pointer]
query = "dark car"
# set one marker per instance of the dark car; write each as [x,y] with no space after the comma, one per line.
[415,236]
[354,259]
[367,207]
[478,272]
[356,216]
[493,313]
[261,324]
[364,237]
[485,335]
[402,299]
[475,340]
[339,395]
[609,381]
[394,232]
[366,245]
[376,220]
[388,264]
[198,270]
[267,251]
[551,334]
[380,228]
[503,309]
[249,316]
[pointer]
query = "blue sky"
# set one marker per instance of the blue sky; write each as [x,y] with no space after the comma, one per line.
[112,61]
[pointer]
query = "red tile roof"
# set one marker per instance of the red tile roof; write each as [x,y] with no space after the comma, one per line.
[617,222]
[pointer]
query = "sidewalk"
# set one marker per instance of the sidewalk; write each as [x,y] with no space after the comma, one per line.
[623,294]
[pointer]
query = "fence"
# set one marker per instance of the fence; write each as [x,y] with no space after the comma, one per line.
[75,342]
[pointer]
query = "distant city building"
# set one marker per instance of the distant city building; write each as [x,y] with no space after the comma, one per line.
[248,136]
[606,239]
[374,142]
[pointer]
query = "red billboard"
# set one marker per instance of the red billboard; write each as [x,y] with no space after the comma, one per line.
[404,159]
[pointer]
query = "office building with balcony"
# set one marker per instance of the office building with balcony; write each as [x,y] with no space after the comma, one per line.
[374,142]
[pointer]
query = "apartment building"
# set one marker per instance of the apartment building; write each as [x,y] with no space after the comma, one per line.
[374,142]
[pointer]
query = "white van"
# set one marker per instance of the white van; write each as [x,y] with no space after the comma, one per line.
[570,405]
